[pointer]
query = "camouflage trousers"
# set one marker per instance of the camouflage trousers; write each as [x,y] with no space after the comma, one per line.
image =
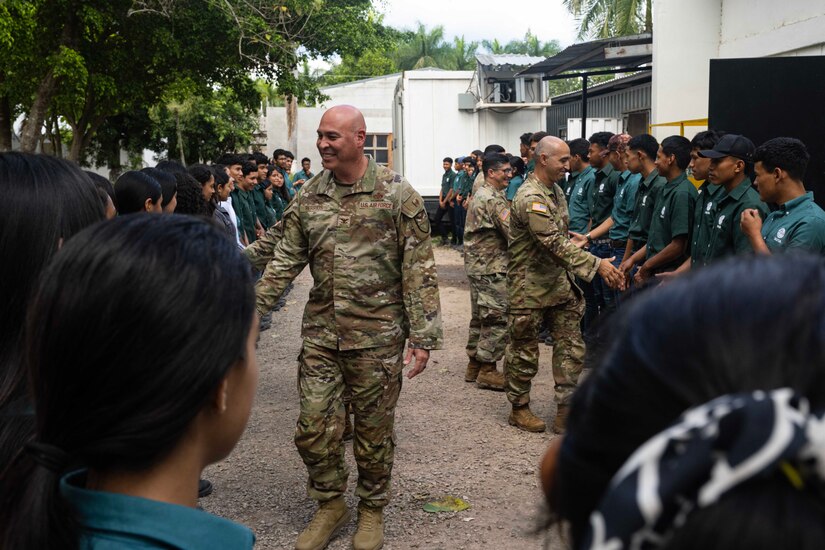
[488,324]
[521,361]
[373,379]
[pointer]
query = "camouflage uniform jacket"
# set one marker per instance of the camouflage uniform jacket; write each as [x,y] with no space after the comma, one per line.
[543,260]
[371,261]
[486,232]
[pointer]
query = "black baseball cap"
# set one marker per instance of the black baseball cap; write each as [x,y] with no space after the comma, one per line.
[731,145]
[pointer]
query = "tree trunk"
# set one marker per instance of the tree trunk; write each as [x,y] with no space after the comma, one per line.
[5,124]
[57,141]
[30,134]
[292,123]
[180,137]
[649,16]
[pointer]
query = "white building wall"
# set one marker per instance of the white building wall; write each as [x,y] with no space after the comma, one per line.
[373,97]
[432,127]
[687,35]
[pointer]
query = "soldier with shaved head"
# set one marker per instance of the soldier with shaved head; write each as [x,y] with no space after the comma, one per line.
[541,283]
[365,235]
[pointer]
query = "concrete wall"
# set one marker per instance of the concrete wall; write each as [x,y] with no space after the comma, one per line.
[372,96]
[688,34]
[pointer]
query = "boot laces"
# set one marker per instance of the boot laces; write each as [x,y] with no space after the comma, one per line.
[367,520]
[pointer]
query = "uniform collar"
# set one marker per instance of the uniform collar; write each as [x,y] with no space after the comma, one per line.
[739,191]
[677,180]
[650,177]
[607,169]
[709,188]
[170,525]
[551,191]
[326,185]
[797,202]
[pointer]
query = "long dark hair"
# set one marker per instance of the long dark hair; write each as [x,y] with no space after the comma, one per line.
[45,202]
[133,188]
[741,325]
[126,342]
[282,190]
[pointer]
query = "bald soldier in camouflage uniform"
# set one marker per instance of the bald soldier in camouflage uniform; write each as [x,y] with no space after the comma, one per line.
[365,234]
[485,261]
[540,282]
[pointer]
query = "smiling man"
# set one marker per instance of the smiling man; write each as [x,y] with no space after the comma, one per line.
[365,234]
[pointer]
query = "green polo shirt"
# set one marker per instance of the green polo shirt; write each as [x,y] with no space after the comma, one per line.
[530,168]
[577,193]
[467,185]
[244,206]
[704,215]
[457,179]
[602,193]
[646,196]
[623,204]
[447,182]
[672,218]
[725,236]
[799,224]
[113,520]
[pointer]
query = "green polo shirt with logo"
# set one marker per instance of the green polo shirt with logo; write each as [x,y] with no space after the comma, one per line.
[726,236]
[799,224]
[672,218]
[602,193]
[446,183]
[623,205]
[704,215]
[646,196]
[577,193]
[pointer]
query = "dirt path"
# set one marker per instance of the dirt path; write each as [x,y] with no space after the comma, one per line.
[453,439]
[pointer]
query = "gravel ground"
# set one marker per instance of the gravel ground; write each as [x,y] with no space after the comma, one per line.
[453,439]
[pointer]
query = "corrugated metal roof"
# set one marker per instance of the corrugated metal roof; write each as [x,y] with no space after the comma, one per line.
[507,59]
[590,55]
[604,87]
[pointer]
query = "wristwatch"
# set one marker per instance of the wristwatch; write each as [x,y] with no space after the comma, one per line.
[587,236]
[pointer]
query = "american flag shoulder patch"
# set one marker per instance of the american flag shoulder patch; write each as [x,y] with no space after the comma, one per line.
[539,207]
[504,214]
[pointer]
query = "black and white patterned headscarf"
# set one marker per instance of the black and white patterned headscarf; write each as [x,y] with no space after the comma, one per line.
[709,451]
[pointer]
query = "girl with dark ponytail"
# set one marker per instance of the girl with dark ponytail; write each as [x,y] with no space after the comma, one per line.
[141,375]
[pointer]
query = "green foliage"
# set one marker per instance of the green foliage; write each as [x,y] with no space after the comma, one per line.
[608,18]
[209,120]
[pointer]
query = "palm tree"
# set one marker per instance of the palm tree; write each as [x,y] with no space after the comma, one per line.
[531,45]
[463,54]
[423,49]
[606,18]
[494,46]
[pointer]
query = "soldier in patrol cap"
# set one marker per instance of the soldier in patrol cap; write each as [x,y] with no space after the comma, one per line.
[485,261]
[365,235]
[540,281]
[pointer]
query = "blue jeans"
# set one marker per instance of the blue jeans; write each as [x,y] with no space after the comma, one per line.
[612,297]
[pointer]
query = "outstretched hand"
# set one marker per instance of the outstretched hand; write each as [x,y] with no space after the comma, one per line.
[421,358]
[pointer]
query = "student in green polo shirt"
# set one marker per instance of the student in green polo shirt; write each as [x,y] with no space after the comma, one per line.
[577,190]
[641,159]
[116,453]
[670,229]
[730,161]
[704,214]
[535,138]
[798,223]
[445,196]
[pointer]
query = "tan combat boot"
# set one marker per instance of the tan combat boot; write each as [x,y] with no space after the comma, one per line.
[489,378]
[370,532]
[560,423]
[472,370]
[330,517]
[523,419]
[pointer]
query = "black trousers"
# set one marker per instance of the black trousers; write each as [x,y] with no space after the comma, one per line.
[440,225]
